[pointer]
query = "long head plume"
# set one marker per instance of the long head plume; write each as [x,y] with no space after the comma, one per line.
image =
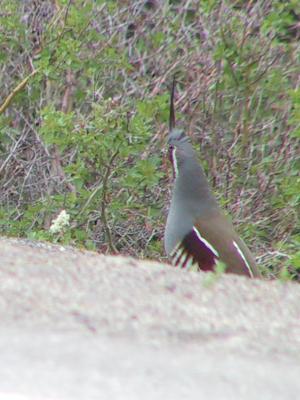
[172,121]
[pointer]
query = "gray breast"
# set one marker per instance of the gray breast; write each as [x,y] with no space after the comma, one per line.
[178,224]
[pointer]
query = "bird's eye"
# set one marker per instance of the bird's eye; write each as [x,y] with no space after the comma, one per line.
[170,153]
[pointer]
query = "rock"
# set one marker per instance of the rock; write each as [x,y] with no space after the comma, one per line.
[79,325]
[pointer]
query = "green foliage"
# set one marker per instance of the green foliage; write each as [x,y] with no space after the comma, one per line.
[212,277]
[86,133]
[295,114]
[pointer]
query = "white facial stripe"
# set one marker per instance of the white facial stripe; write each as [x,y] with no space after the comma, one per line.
[174,159]
[244,258]
[207,244]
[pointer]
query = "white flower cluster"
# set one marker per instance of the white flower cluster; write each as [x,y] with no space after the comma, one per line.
[60,222]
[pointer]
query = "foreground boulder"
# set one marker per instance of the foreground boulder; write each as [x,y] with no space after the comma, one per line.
[79,325]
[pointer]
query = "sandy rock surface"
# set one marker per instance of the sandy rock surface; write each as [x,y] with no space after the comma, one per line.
[79,325]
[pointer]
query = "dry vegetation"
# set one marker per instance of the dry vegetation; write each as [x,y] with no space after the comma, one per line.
[85,128]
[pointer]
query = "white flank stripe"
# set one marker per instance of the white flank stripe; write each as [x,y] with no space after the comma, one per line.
[174,159]
[206,242]
[174,249]
[181,262]
[189,263]
[177,256]
[182,259]
[173,252]
[243,257]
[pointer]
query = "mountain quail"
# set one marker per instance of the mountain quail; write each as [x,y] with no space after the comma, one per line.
[197,232]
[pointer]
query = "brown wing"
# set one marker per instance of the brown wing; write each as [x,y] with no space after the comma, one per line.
[193,250]
[217,230]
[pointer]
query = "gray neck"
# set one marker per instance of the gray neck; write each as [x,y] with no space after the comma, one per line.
[191,186]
